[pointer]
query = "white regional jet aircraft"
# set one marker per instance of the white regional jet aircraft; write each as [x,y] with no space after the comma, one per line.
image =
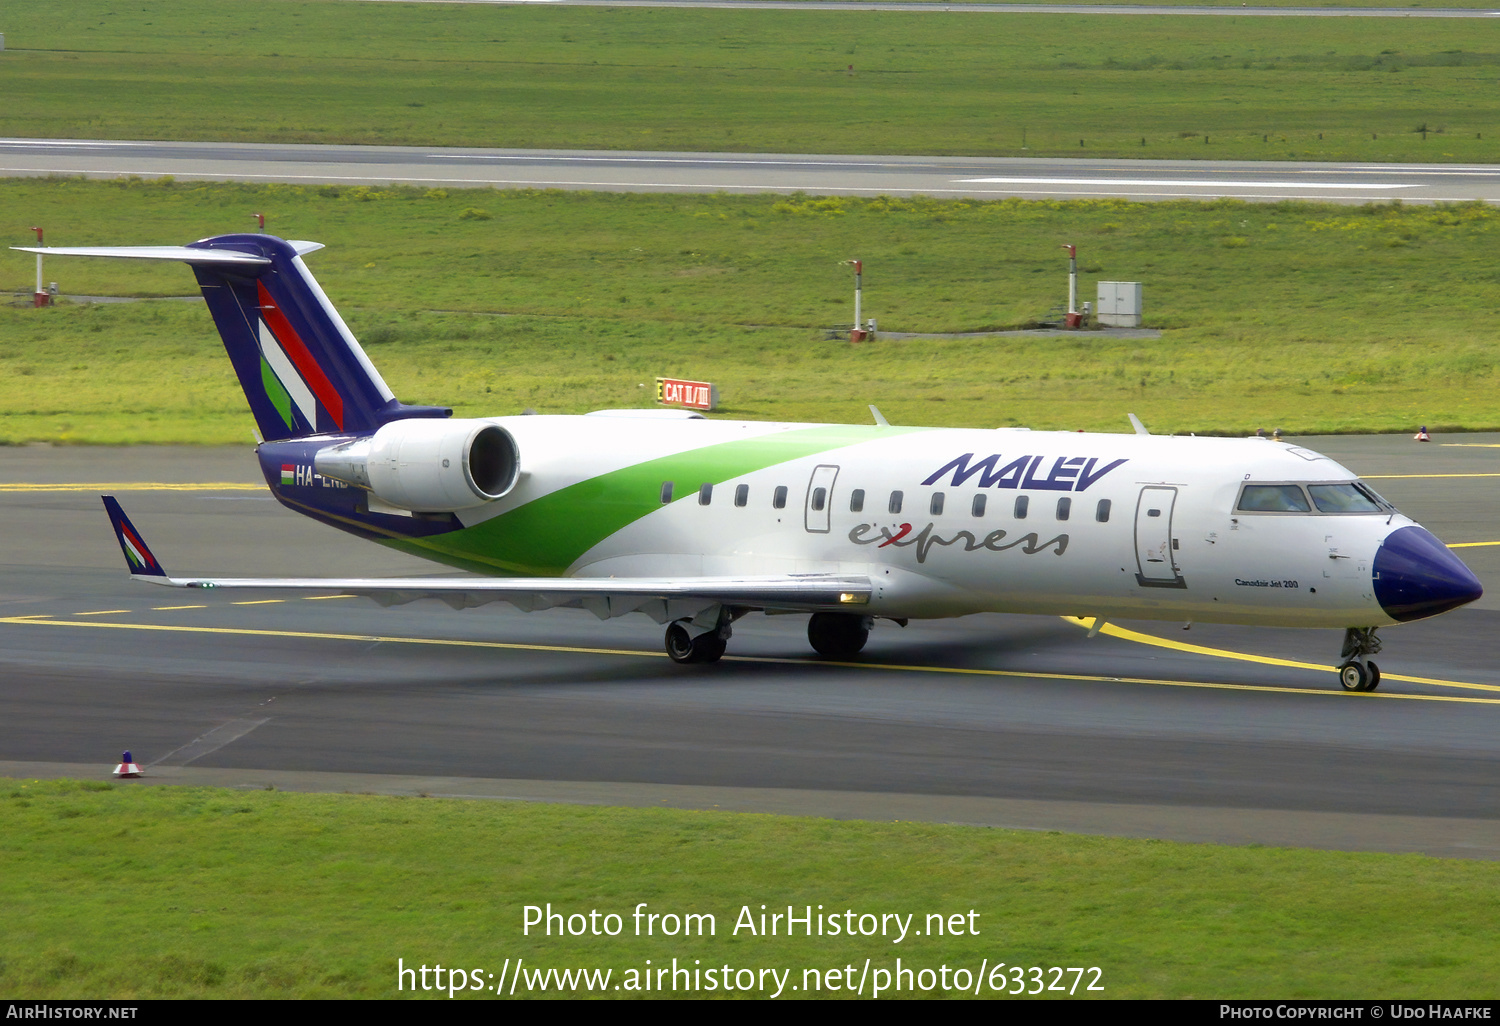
[697,522]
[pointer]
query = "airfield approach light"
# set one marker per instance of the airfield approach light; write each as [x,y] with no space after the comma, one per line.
[40,296]
[858,334]
[1073,319]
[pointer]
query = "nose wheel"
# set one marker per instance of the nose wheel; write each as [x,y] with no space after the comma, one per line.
[1357,672]
[1359,676]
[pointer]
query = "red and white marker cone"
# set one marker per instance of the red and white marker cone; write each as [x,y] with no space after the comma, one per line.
[1422,435]
[127,768]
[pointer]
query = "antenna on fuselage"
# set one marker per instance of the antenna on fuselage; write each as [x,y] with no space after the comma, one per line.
[1135,422]
[880,420]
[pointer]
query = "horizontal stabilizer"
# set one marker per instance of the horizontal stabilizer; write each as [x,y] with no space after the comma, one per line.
[219,257]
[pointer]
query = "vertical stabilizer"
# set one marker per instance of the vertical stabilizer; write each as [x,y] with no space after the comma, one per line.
[301,368]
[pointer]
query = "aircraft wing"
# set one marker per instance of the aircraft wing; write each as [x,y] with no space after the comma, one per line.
[664,599]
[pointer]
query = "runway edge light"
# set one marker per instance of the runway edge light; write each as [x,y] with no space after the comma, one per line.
[1422,435]
[127,767]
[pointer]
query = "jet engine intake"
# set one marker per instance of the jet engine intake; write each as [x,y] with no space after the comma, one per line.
[428,466]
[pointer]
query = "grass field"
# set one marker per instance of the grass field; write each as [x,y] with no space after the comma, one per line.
[1306,317]
[771,81]
[126,891]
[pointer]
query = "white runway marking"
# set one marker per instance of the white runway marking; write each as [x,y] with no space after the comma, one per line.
[1181,183]
[209,742]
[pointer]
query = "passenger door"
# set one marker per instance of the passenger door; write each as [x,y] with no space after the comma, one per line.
[1155,546]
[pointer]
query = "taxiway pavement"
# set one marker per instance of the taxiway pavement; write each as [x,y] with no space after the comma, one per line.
[1014,721]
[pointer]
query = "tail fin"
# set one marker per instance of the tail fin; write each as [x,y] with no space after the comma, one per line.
[300,366]
[138,558]
[302,370]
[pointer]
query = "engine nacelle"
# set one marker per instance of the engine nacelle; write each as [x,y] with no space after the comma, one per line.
[428,466]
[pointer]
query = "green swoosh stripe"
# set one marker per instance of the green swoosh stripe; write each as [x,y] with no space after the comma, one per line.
[546,536]
[275,392]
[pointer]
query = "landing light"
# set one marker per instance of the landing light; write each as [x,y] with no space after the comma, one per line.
[850,598]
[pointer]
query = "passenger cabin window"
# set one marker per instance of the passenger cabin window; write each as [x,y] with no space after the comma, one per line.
[857,501]
[1064,508]
[978,508]
[895,506]
[936,506]
[666,492]
[1282,498]
[1022,502]
[819,499]
[1101,511]
[741,495]
[705,494]
[1342,498]
[778,498]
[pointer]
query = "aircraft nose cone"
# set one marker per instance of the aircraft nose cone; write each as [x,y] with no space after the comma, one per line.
[1416,576]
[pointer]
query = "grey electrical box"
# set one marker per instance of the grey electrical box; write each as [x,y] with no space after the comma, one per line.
[1119,304]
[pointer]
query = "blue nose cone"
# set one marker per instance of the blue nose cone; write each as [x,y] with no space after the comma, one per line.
[1416,576]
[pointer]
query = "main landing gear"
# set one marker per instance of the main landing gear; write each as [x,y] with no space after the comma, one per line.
[683,646]
[838,635]
[835,635]
[1356,672]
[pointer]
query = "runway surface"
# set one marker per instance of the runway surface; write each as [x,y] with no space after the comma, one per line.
[1006,720]
[613,171]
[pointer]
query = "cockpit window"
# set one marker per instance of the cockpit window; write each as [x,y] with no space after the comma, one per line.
[1342,498]
[1279,498]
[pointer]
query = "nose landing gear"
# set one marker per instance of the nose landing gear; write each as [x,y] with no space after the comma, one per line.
[1357,672]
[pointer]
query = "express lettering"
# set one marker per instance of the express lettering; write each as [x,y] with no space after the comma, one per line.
[901,537]
[1066,473]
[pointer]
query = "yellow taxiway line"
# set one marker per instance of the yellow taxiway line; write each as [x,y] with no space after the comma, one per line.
[1224,653]
[907,668]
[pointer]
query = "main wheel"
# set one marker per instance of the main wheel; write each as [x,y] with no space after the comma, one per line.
[679,643]
[838,635]
[682,647]
[1354,677]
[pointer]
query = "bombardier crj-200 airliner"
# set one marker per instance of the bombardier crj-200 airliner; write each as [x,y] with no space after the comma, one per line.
[696,522]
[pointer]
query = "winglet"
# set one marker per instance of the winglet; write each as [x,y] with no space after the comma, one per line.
[138,558]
